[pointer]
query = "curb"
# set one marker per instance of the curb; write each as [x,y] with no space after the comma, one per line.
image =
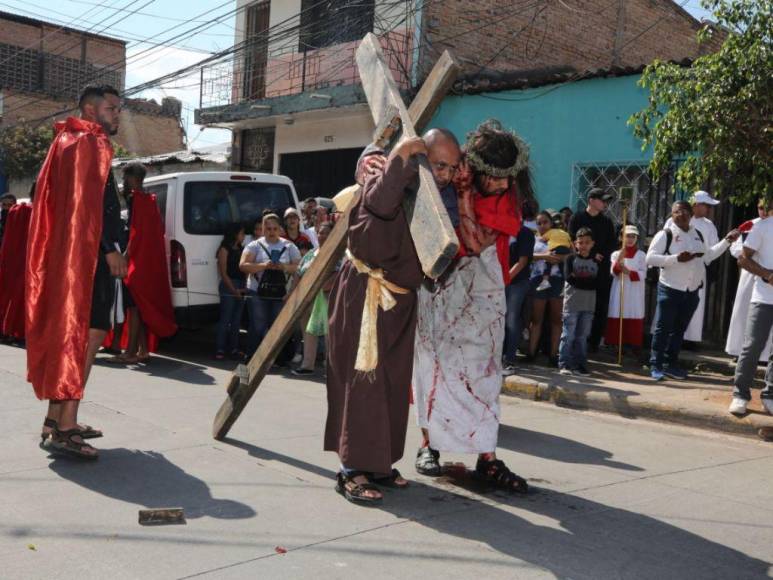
[753,425]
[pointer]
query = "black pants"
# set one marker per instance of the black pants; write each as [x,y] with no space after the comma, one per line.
[102,296]
[604,287]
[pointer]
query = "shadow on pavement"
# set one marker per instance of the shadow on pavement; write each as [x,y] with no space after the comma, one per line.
[266,455]
[150,480]
[557,448]
[167,368]
[578,538]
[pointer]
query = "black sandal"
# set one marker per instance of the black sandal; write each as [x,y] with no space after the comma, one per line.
[63,442]
[87,431]
[389,480]
[356,493]
[498,474]
[428,462]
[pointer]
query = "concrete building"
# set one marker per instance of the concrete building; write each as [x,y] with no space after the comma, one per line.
[292,95]
[43,68]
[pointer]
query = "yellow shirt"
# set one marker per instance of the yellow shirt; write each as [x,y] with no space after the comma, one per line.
[556,238]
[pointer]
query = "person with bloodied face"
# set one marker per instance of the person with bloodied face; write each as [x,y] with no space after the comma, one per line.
[457,369]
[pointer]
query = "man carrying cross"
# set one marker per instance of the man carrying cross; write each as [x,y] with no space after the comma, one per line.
[372,324]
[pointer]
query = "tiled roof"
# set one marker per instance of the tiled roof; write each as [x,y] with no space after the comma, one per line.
[494,81]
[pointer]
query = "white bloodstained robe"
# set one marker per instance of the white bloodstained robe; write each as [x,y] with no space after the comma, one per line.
[457,375]
[743,296]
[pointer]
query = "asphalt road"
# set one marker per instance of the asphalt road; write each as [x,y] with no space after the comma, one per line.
[612,497]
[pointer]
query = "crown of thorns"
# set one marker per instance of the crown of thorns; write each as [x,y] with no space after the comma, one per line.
[521,161]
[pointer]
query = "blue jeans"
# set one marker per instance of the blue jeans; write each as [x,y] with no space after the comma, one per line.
[263,313]
[672,317]
[229,323]
[573,349]
[515,293]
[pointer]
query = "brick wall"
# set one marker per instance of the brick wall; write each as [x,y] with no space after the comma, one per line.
[583,34]
[38,56]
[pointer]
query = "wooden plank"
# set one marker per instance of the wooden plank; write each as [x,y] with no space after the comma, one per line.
[440,80]
[433,235]
[161,517]
[246,379]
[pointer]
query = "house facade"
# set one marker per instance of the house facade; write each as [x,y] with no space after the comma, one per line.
[43,68]
[293,98]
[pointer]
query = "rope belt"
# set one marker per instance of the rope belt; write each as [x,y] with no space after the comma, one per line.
[378,293]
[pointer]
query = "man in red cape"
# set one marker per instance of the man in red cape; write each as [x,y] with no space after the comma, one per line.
[457,367]
[72,263]
[13,255]
[150,314]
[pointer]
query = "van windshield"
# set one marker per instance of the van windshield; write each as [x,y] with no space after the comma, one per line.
[209,207]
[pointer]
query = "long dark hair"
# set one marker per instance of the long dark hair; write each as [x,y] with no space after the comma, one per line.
[231,236]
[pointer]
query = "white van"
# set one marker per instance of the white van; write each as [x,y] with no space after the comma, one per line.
[196,209]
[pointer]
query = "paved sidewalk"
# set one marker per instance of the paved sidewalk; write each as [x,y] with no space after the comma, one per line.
[611,497]
[701,401]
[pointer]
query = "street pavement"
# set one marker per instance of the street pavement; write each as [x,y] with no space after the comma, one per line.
[612,497]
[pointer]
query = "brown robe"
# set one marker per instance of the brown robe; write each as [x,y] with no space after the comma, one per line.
[367,419]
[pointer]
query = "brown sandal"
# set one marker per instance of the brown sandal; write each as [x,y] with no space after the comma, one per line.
[87,431]
[63,442]
[355,492]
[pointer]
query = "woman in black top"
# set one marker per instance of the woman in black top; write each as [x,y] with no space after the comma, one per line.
[232,290]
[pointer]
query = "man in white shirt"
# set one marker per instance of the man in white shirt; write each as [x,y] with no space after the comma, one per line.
[757,258]
[702,203]
[674,250]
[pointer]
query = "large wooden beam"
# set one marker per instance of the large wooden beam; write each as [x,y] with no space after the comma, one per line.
[247,378]
[433,235]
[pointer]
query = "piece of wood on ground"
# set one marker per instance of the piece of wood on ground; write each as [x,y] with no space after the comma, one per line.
[433,235]
[162,517]
[247,378]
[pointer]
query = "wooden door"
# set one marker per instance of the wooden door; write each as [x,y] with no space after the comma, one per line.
[256,54]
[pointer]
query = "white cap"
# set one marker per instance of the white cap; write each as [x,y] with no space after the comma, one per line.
[701,196]
[631,230]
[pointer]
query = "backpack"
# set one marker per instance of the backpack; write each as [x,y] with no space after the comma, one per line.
[273,283]
[653,274]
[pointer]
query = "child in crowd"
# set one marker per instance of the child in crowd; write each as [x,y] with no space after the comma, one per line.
[581,272]
[557,242]
[630,269]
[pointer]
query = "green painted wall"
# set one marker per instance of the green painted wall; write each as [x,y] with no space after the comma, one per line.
[578,122]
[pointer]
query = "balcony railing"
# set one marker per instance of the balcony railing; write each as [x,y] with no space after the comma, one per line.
[253,77]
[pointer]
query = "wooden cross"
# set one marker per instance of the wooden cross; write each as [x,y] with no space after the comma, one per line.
[431,230]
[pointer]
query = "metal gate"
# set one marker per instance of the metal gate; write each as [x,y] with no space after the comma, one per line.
[649,210]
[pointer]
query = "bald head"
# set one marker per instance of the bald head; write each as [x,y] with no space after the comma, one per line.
[444,155]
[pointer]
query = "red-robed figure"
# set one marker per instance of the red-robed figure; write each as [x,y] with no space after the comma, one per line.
[72,265]
[13,255]
[150,314]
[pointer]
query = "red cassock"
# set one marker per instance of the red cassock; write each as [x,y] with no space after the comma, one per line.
[13,256]
[148,278]
[64,237]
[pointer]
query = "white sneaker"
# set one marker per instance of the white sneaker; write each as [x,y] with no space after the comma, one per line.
[565,371]
[768,404]
[738,406]
[544,285]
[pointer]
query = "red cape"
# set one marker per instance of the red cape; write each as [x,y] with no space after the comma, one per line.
[62,249]
[13,256]
[148,279]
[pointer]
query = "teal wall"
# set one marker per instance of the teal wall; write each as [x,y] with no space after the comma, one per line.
[578,122]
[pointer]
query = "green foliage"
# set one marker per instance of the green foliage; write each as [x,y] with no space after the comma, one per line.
[23,149]
[718,113]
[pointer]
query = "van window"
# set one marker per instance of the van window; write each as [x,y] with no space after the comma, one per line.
[160,192]
[209,207]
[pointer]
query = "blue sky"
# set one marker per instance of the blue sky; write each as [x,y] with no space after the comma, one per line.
[145,22]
